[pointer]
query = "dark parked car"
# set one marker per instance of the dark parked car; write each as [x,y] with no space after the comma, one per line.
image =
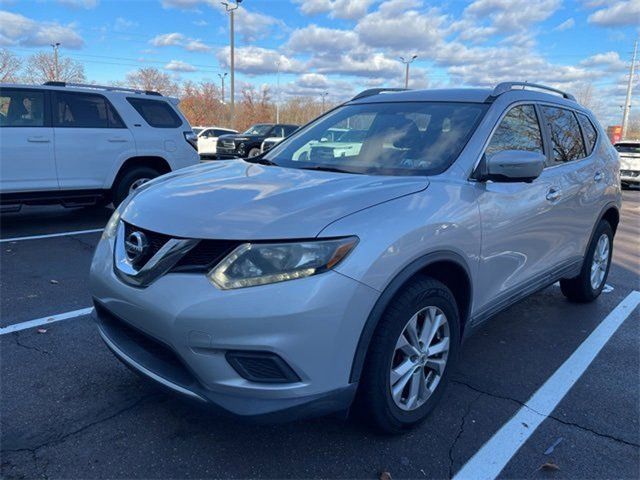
[247,144]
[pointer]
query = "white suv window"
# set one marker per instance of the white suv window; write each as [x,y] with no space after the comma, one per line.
[518,130]
[21,108]
[82,110]
[157,113]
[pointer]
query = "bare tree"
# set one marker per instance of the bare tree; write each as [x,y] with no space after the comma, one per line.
[41,67]
[255,106]
[587,95]
[10,66]
[202,104]
[152,79]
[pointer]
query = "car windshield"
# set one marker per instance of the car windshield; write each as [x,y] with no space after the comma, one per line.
[405,138]
[628,147]
[260,130]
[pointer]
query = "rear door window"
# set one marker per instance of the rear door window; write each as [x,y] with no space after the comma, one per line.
[590,132]
[565,135]
[518,130]
[22,108]
[81,110]
[157,113]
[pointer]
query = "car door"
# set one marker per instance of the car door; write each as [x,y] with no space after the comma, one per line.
[26,141]
[207,141]
[91,139]
[578,204]
[520,231]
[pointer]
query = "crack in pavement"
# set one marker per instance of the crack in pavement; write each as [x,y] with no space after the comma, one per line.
[559,420]
[16,336]
[54,441]
[460,432]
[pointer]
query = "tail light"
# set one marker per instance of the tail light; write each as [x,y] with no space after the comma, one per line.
[192,138]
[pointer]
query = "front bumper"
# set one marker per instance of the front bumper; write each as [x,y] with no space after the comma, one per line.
[178,330]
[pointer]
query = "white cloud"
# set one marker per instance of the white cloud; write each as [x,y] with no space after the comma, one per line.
[348,9]
[313,80]
[16,29]
[512,15]
[86,4]
[617,14]
[610,61]
[252,25]
[122,24]
[566,25]
[180,66]
[256,60]
[314,39]
[176,39]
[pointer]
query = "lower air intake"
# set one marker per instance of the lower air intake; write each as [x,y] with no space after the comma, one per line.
[262,367]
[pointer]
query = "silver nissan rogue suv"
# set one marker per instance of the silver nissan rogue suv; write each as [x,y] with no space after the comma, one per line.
[319,277]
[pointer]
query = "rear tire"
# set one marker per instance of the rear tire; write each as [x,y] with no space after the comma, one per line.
[136,176]
[392,359]
[587,286]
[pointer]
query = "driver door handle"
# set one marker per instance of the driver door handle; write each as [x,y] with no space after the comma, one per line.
[38,139]
[598,177]
[553,195]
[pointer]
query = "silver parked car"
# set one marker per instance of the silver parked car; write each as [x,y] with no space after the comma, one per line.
[289,285]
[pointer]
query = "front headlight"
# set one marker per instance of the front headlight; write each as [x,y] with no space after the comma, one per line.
[111,228]
[253,264]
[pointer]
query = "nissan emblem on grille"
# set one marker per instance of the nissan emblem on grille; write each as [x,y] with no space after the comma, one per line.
[136,245]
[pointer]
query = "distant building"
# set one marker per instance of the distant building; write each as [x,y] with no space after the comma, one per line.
[614,132]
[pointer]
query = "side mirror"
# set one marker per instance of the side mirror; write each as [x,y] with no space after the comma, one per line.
[512,166]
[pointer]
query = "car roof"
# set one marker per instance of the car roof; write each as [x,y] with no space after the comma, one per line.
[99,89]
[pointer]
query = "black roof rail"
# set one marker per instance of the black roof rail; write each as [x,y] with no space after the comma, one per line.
[505,87]
[376,91]
[110,88]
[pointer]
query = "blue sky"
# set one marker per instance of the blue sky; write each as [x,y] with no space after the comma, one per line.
[341,46]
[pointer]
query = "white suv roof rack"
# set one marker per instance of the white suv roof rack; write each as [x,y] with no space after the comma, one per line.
[109,88]
[505,87]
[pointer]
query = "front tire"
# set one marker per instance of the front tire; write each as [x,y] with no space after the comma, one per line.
[587,286]
[411,355]
[254,152]
[132,179]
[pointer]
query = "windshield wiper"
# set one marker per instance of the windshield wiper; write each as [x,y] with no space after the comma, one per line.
[324,168]
[261,161]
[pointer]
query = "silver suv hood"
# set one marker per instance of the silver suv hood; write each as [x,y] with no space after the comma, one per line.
[237,200]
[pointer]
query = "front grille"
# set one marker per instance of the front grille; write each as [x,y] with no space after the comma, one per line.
[630,173]
[201,258]
[228,144]
[264,367]
[156,242]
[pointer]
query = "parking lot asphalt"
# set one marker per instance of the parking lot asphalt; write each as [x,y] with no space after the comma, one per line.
[69,409]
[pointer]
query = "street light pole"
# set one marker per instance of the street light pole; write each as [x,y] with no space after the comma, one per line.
[406,69]
[56,68]
[278,92]
[222,76]
[627,102]
[231,8]
[324,95]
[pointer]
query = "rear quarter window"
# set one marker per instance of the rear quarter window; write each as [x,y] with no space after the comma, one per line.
[589,131]
[157,113]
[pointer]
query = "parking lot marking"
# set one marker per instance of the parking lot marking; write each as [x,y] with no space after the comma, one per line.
[45,320]
[488,462]
[50,235]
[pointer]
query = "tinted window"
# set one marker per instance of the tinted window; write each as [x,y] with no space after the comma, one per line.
[259,130]
[157,113]
[289,129]
[390,140]
[82,110]
[627,147]
[565,134]
[21,108]
[217,133]
[518,130]
[589,131]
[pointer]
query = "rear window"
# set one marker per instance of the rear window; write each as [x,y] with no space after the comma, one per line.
[565,134]
[83,110]
[157,113]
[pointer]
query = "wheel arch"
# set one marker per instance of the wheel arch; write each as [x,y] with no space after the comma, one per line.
[447,267]
[155,162]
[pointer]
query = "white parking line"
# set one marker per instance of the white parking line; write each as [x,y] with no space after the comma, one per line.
[45,320]
[488,462]
[51,235]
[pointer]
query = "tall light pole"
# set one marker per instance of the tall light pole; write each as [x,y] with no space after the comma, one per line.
[231,9]
[222,76]
[278,92]
[627,102]
[406,69]
[56,69]
[323,95]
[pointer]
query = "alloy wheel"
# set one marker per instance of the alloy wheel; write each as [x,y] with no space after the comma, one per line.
[419,358]
[600,261]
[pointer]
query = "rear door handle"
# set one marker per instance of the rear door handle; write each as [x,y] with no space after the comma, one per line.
[117,140]
[553,195]
[598,177]
[38,139]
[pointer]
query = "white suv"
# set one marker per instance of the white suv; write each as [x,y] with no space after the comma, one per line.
[84,144]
